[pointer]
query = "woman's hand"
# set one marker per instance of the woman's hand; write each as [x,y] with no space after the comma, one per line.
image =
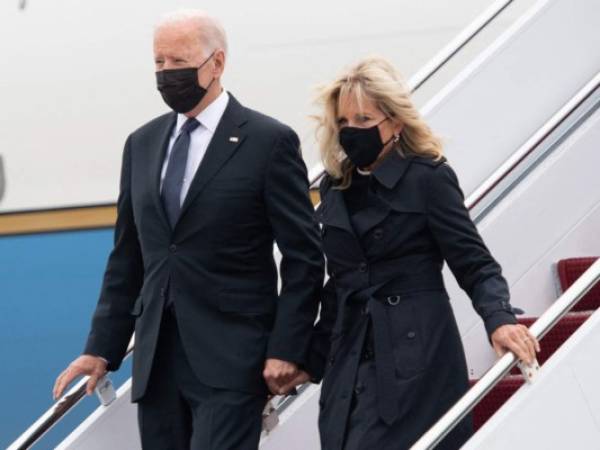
[517,339]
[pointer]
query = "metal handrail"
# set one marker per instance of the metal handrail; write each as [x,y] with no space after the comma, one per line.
[541,326]
[533,143]
[458,43]
[55,413]
[77,392]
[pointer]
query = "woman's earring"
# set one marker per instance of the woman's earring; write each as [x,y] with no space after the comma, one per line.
[340,157]
[396,138]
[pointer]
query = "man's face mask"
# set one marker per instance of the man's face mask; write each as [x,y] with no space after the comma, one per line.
[362,145]
[180,89]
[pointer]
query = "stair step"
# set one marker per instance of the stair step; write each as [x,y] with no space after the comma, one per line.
[494,399]
[558,334]
[569,270]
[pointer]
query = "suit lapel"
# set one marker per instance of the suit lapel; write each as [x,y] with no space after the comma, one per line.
[160,143]
[227,138]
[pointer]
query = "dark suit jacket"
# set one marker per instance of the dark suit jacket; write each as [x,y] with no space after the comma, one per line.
[248,192]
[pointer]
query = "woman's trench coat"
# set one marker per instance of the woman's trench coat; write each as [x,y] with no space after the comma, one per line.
[385,286]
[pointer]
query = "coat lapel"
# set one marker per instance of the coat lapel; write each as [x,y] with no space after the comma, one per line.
[227,138]
[371,216]
[159,143]
[332,211]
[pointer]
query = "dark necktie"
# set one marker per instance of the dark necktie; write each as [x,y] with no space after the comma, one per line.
[173,181]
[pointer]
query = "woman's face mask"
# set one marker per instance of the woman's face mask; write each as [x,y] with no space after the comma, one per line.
[362,145]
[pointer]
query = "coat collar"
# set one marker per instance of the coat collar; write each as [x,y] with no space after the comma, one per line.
[332,210]
[392,169]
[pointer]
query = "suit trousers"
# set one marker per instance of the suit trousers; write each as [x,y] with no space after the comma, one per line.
[179,412]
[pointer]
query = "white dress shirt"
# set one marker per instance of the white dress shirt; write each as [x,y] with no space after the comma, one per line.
[209,118]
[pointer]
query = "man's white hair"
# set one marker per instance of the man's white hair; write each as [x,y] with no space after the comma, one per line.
[210,31]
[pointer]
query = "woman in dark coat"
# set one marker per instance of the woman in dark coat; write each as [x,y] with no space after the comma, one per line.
[392,212]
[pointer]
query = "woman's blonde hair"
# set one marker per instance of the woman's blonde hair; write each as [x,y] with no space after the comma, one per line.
[375,79]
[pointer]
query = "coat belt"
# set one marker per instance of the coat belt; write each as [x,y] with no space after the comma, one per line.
[377,299]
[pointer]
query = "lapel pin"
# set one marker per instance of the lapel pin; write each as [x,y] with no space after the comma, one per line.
[233,139]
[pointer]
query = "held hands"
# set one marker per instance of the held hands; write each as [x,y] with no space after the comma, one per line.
[517,339]
[282,376]
[93,366]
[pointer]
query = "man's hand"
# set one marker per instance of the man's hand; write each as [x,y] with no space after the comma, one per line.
[94,366]
[517,339]
[278,374]
[300,378]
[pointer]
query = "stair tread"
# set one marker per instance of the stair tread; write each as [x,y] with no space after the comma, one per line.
[557,335]
[569,270]
[494,399]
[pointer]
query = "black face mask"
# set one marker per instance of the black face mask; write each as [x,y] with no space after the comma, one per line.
[362,145]
[180,89]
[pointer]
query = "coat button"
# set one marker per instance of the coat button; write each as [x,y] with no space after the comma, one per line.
[172,248]
[362,267]
[378,233]
[359,388]
[331,360]
[411,334]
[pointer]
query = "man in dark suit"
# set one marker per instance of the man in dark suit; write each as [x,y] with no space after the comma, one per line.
[205,192]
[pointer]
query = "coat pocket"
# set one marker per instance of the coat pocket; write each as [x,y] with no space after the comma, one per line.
[419,321]
[409,353]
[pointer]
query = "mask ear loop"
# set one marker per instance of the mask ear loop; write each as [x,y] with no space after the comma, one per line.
[395,139]
[206,60]
[202,65]
[381,121]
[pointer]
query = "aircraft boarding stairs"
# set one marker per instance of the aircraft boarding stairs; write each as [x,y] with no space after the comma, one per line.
[568,271]
[523,136]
